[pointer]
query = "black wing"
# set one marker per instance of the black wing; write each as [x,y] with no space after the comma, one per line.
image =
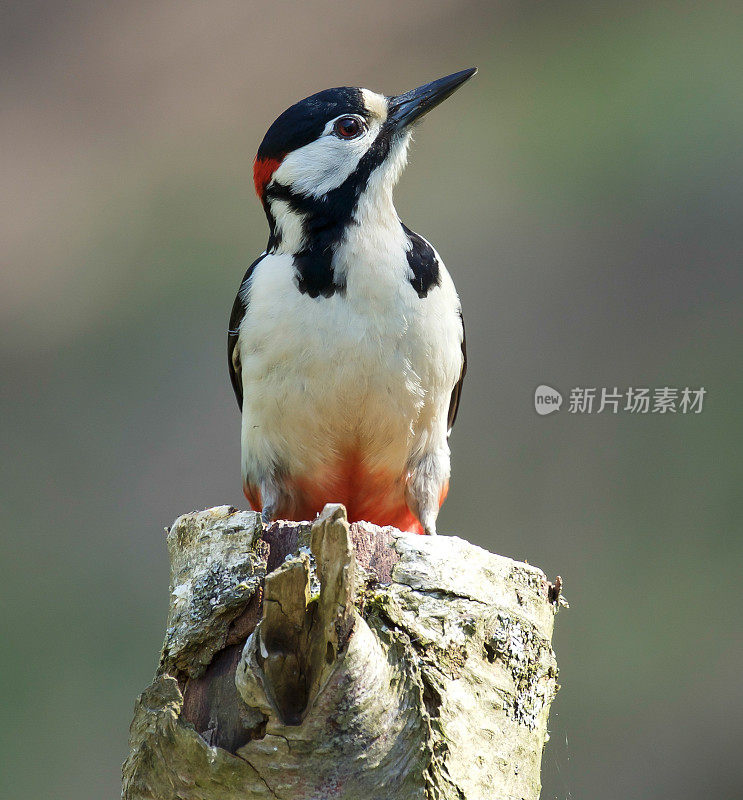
[239,309]
[456,393]
[424,266]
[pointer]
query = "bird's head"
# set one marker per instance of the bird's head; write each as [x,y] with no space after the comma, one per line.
[325,152]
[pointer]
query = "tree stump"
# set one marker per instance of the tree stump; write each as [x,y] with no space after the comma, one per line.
[328,660]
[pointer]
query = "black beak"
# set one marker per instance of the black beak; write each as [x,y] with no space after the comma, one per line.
[405,109]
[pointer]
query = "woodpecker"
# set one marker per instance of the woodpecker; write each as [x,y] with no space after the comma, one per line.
[346,341]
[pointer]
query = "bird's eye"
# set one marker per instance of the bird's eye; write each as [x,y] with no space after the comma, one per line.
[348,127]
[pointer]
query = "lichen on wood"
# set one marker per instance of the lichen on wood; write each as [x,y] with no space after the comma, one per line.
[215,568]
[343,661]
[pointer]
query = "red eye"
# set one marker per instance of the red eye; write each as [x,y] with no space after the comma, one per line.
[348,127]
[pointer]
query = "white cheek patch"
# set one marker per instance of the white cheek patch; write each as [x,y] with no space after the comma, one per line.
[323,165]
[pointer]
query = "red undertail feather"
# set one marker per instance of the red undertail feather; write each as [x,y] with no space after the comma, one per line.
[368,495]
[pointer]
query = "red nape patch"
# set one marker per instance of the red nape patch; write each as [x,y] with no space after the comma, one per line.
[263,170]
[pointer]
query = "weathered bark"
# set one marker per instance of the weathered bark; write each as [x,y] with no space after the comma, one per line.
[325,660]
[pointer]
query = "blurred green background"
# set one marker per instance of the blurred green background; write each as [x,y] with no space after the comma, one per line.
[586,193]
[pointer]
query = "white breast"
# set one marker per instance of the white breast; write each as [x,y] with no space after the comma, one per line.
[371,368]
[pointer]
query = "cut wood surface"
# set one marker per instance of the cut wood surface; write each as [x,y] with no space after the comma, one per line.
[327,660]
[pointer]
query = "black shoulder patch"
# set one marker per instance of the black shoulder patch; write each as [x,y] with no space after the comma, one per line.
[423,263]
[239,309]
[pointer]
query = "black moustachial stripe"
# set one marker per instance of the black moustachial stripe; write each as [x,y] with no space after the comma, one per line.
[423,263]
[239,309]
[325,220]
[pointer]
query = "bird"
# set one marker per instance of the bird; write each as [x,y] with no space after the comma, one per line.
[346,341]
